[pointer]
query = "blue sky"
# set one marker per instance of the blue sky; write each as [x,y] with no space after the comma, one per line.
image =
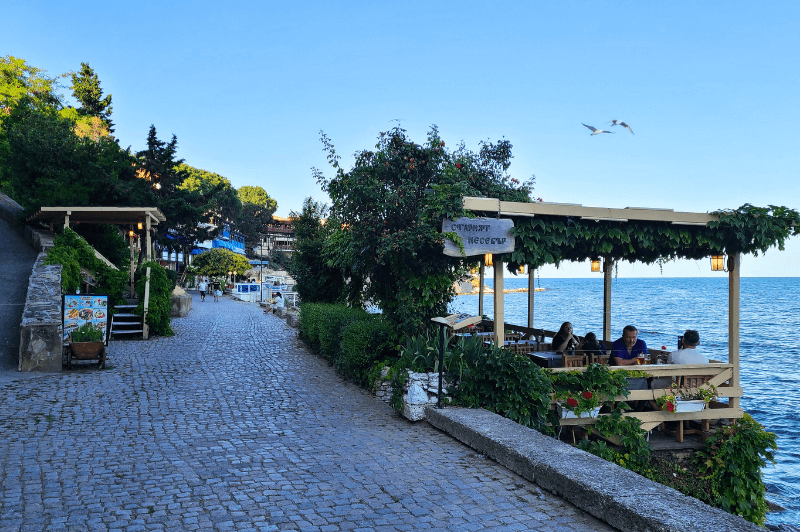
[710,90]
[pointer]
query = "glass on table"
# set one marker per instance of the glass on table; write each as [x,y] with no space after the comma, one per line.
[640,359]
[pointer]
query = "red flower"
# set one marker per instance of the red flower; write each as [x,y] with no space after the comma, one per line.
[670,407]
[572,402]
[458,165]
[587,395]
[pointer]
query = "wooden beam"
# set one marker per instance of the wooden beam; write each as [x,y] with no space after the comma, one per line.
[499,318]
[734,293]
[149,246]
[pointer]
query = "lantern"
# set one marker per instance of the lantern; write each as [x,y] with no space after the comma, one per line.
[521,269]
[595,265]
[487,259]
[717,263]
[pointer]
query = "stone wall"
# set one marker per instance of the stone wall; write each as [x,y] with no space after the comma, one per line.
[40,343]
[420,391]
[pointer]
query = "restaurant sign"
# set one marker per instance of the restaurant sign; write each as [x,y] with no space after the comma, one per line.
[479,236]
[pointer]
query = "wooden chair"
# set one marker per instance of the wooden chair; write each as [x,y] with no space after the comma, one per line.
[574,361]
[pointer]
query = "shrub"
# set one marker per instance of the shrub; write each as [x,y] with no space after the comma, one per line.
[160,301]
[334,319]
[73,253]
[309,324]
[508,384]
[732,461]
[363,342]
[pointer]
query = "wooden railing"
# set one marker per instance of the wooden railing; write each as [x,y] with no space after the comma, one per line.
[720,375]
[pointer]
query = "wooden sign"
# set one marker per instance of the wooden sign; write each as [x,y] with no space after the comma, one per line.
[457,321]
[479,236]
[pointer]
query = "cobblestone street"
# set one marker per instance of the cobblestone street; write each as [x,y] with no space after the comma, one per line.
[232,424]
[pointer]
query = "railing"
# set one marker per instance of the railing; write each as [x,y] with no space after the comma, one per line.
[720,375]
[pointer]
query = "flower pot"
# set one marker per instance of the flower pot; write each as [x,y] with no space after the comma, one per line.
[87,350]
[694,405]
[567,414]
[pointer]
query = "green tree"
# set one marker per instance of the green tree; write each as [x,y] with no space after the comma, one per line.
[86,89]
[218,262]
[257,210]
[316,281]
[386,220]
[222,197]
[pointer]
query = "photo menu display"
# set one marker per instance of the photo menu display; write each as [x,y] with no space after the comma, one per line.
[81,309]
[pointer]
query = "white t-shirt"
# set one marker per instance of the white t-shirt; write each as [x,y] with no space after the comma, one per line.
[687,356]
[202,286]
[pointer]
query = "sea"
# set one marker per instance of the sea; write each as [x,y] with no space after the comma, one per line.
[662,309]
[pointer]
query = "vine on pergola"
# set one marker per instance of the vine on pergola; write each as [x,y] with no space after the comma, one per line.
[553,239]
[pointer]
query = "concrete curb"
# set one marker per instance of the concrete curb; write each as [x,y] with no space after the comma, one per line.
[621,498]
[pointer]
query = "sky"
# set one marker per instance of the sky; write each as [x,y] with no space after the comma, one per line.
[710,90]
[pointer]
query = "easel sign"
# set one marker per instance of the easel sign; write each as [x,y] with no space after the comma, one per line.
[453,321]
[457,321]
[82,309]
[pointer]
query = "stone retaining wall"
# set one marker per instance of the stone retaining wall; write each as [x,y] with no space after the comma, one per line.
[40,342]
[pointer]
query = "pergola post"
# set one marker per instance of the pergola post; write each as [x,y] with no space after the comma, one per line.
[608,265]
[499,318]
[480,289]
[530,297]
[149,245]
[734,291]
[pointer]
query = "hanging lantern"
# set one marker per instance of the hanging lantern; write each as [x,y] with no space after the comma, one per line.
[487,259]
[521,269]
[131,233]
[595,265]
[139,226]
[717,263]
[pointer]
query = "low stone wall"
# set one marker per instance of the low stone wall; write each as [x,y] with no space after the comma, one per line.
[420,391]
[40,342]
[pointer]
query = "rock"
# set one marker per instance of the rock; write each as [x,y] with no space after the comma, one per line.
[181,305]
[416,395]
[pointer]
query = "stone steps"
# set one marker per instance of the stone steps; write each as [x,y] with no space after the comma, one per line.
[125,322]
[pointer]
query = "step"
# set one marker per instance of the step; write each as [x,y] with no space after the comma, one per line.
[125,315]
[125,306]
[127,331]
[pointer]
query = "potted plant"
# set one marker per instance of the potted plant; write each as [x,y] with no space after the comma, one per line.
[582,394]
[687,400]
[87,341]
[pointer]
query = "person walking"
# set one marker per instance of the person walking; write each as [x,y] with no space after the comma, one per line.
[217,290]
[202,286]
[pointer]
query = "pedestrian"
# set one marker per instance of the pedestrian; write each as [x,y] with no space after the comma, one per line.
[202,287]
[217,291]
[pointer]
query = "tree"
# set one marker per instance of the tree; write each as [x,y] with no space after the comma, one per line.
[185,210]
[386,220]
[218,262]
[86,89]
[222,197]
[257,210]
[316,281]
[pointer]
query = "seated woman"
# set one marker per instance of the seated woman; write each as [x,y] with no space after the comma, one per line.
[564,340]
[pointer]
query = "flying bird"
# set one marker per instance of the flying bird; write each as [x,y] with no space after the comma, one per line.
[621,123]
[597,131]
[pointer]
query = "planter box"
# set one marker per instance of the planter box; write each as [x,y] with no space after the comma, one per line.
[87,350]
[694,405]
[563,413]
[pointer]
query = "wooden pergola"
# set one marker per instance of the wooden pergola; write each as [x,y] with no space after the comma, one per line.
[723,373]
[142,218]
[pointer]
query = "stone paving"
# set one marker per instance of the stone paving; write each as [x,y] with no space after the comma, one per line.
[233,425]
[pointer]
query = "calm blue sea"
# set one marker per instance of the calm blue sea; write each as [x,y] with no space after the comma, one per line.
[662,308]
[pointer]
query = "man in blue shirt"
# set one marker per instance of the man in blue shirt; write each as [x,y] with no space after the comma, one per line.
[626,350]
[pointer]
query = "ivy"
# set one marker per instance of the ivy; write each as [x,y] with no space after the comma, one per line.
[159,303]
[554,239]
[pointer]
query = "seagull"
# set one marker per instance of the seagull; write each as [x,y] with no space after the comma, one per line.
[621,123]
[597,131]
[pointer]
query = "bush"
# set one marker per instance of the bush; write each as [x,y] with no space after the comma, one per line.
[160,301]
[334,319]
[309,326]
[73,253]
[363,342]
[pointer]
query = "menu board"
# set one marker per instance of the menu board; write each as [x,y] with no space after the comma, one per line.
[81,309]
